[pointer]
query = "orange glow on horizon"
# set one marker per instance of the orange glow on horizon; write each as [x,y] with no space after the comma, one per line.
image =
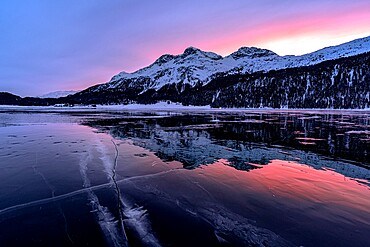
[293,35]
[298,35]
[294,183]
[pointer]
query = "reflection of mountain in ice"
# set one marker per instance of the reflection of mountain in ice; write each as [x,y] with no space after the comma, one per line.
[195,147]
[244,144]
[95,188]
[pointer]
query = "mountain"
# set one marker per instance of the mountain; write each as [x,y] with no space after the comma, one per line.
[9,99]
[58,94]
[333,77]
[197,67]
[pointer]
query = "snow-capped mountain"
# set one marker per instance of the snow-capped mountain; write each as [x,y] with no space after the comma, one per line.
[58,94]
[197,67]
[334,77]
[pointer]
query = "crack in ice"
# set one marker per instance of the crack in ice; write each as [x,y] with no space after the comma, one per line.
[37,172]
[79,192]
[66,226]
[105,217]
[118,192]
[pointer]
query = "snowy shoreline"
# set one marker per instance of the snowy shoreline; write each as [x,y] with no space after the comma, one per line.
[163,106]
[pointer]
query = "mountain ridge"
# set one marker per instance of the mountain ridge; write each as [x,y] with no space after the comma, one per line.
[58,94]
[195,66]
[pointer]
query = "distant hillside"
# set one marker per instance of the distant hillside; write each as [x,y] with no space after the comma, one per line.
[58,94]
[9,99]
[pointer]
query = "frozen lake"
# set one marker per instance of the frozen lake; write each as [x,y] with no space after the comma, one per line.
[180,178]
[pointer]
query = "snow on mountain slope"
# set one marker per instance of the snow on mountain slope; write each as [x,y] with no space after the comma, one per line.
[58,94]
[195,66]
[191,67]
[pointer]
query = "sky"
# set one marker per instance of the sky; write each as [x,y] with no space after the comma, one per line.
[48,46]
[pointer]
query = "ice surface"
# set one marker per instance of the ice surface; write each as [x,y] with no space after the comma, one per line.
[238,201]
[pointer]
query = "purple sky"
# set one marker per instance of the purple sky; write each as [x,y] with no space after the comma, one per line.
[68,44]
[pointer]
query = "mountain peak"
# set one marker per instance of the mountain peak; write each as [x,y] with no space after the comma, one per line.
[252,52]
[191,50]
[187,53]
[195,66]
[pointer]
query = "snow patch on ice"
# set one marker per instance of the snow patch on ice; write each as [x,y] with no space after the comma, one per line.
[137,221]
[106,158]
[115,236]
